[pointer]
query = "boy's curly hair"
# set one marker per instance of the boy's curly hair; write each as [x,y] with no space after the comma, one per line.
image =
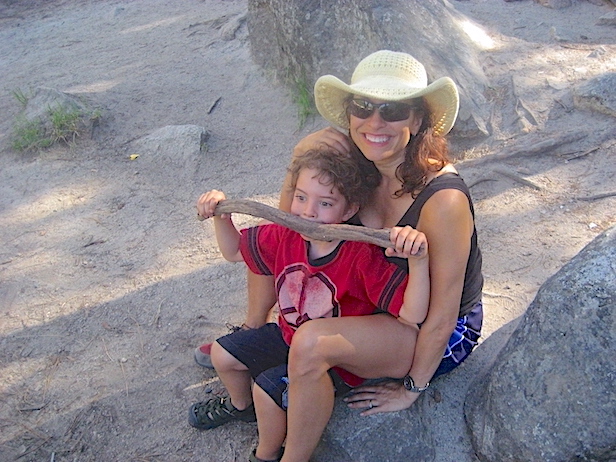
[338,170]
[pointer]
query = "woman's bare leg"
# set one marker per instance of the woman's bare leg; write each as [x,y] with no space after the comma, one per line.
[271,423]
[369,346]
[310,407]
[234,375]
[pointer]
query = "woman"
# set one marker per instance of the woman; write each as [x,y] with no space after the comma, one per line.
[396,124]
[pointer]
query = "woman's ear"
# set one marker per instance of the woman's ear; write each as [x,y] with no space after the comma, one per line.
[416,122]
[351,210]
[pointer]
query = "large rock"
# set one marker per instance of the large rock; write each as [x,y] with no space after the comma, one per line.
[598,94]
[551,393]
[405,435]
[303,39]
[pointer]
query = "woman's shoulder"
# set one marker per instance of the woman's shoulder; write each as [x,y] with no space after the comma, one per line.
[442,192]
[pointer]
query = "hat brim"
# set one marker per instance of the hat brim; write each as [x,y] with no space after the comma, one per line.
[441,97]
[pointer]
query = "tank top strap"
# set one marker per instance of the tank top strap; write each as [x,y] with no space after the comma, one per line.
[444,181]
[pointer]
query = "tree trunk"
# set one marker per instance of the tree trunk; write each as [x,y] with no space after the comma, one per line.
[303,39]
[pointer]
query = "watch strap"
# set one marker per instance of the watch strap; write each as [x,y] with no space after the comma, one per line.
[409,384]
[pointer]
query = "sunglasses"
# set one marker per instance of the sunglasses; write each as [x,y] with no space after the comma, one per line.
[389,112]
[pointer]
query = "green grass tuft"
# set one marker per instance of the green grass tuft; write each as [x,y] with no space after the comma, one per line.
[21,97]
[65,126]
[304,100]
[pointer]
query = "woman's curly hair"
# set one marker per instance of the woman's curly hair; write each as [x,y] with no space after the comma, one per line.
[340,171]
[426,152]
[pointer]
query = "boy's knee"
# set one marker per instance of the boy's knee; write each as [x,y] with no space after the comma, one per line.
[222,360]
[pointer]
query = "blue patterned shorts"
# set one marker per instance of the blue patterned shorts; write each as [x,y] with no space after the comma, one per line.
[463,340]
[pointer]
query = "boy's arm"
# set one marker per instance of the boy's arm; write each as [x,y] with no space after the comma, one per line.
[417,294]
[413,245]
[227,236]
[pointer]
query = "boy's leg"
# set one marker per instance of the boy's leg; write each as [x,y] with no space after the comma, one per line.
[237,406]
[271,423]
[234,375]
[239,357]
[261,299]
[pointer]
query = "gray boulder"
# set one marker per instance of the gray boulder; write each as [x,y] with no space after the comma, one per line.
[301,40]
[404,435]
[551,393]
[60,116]
[46,99]
[173,146]
[598,94]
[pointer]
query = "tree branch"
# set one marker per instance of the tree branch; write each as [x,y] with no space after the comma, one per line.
[308,228]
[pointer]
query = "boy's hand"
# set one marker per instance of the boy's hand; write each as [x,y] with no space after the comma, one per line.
[408,242]
[206,205]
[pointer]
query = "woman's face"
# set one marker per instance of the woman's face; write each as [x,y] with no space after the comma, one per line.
[380,141]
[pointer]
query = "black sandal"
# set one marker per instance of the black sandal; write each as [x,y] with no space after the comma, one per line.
[216,412]
[253,457]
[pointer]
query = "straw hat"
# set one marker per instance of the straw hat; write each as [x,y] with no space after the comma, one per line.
[389,76]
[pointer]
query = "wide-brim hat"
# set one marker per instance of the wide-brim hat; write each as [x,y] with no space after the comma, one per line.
[389,76]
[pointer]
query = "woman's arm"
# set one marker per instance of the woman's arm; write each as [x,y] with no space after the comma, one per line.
[448,224]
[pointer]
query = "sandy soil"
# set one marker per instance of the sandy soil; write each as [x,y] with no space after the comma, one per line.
[107,280]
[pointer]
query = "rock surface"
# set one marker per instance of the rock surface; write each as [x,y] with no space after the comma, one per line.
[551,394]
[302,40]
[598,94]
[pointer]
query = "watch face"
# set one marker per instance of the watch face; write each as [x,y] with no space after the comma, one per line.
[408,382]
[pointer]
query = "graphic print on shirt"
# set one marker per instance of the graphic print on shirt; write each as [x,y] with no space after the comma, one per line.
[303,295]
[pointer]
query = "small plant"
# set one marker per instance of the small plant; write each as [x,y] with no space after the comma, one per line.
[304,100]
[29,135]
[21,97]
[63,125]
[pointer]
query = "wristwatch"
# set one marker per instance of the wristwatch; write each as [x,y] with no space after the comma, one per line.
[410,385]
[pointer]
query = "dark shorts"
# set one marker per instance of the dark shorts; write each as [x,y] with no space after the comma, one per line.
[266,355]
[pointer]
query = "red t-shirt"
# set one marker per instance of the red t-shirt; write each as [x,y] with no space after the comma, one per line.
[354,280]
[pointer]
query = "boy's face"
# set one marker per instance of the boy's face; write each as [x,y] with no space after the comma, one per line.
[317,202]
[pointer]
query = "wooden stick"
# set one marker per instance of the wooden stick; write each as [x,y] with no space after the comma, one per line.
[524,148]
[308,228]
[516,177]
[597,197]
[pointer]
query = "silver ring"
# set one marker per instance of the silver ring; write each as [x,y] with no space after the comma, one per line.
[371,405]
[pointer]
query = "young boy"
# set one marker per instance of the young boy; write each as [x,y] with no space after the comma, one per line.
[314,279]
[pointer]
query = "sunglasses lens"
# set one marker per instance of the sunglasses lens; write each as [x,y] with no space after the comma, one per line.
[393,112]
[390,112]
[361,109]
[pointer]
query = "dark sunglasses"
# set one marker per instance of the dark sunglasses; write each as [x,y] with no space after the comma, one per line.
[390,112]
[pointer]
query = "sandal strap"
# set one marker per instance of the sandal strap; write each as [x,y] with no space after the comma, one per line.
[253,457]
[218,411]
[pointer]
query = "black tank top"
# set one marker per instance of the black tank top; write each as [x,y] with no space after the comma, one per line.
[473,279]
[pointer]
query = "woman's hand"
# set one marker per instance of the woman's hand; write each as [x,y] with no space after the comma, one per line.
[207,202]
[380,398]
[329,138]
[408,242]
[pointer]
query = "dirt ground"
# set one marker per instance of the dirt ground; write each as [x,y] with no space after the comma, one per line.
[108,281]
